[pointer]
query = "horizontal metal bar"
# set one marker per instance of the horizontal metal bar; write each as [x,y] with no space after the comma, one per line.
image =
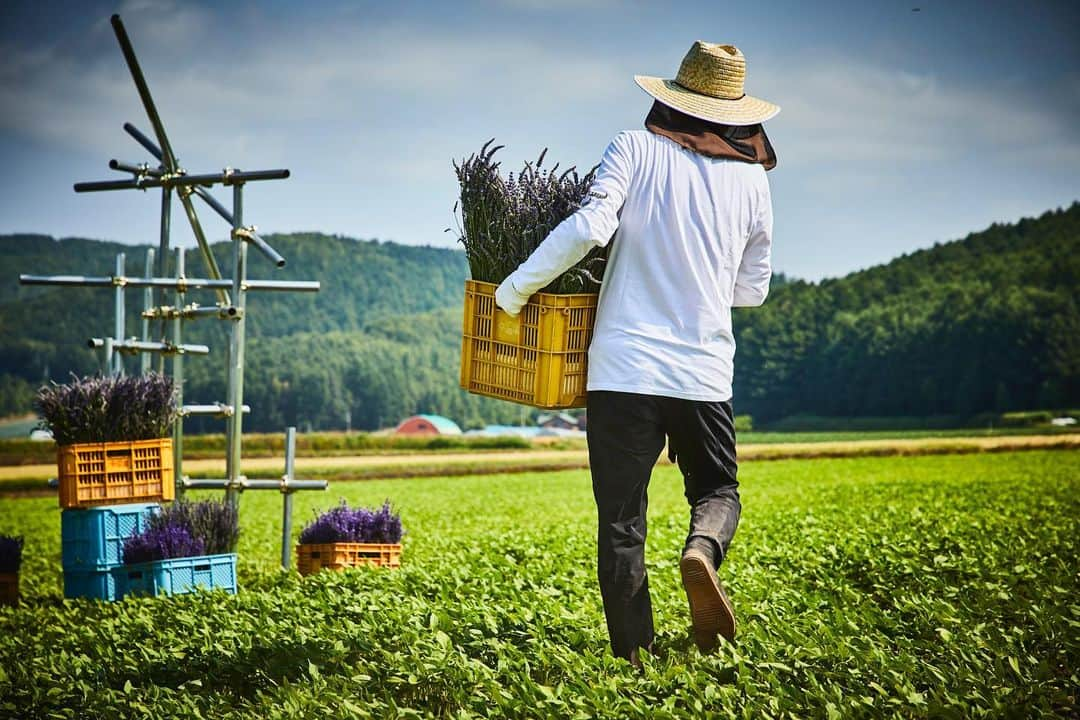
[132,347]
[212,409]
[288,486]
[177,283]
[104,185]
[140,169]
[248,234]
[190,312]
[245,484]
[173,181]
[298,285]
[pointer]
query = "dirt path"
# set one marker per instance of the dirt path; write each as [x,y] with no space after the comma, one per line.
[448,463]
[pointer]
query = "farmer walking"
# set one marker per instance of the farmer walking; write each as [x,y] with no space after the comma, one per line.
[686,206]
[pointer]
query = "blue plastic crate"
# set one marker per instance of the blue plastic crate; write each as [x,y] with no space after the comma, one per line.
[93,538]
[178,576]
[93,584]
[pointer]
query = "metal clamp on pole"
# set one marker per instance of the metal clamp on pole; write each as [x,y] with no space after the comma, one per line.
[248,234]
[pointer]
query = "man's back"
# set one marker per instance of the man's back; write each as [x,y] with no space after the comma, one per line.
[692,241]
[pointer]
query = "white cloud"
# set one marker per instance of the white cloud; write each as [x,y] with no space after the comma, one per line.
[840,108]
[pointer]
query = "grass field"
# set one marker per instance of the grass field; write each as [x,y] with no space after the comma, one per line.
[938,586]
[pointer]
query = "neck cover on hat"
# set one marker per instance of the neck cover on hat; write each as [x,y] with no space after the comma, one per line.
[747,143]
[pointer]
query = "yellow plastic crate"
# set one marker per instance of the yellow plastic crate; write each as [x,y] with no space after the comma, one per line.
[539,358]
[112,473]
[338,556]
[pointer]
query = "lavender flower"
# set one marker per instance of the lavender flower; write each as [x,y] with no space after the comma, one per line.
[106,409]
[10,553]
[503,220]
[214,523]
[162,543]
[360,525]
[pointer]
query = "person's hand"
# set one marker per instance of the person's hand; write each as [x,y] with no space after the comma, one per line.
[509,299]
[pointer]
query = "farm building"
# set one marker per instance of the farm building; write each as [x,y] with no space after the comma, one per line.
[560,421]
[427,425]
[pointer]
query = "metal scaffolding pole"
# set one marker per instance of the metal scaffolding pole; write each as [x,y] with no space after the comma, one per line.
[178,379]
[115,362]
[170,283]
[148,303]
[236,348]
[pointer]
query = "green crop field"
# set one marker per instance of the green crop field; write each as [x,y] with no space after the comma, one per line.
[942,586]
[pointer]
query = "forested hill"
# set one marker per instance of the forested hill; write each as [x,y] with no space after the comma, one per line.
[380,340]
[989,323]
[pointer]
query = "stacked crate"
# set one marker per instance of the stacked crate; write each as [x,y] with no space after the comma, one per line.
[92,541]
[108,491]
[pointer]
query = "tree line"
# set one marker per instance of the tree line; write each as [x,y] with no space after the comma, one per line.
[989,323]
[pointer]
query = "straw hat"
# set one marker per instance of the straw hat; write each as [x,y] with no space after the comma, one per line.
[709,86]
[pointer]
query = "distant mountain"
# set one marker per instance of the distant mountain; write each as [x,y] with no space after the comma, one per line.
[989,323]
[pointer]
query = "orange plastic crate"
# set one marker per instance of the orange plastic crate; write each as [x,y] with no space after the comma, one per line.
[9,588]
[113,473]
[539,358]
[338,556]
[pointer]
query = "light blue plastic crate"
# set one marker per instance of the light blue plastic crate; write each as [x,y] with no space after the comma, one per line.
[93,538]
[93,584]
[178,576]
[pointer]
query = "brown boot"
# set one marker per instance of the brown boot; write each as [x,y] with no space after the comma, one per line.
[710,609]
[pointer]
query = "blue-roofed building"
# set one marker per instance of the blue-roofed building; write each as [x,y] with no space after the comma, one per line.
[427,425]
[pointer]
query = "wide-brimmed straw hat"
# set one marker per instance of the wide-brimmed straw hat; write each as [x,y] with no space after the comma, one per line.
[709,86]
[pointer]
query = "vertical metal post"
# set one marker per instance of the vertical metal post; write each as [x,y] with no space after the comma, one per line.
[286,504]
[163,257]
[236,348]
[148,302]
[116,361]
[178,380]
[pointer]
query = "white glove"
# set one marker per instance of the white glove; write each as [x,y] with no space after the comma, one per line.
[509,299]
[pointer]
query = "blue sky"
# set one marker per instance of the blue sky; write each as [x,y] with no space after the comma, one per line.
[899,129]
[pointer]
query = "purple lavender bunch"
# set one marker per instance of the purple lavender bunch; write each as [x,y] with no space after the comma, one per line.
[504,219]
[215,523]
[356,525]
[108,408]
[10,553]
[162,543]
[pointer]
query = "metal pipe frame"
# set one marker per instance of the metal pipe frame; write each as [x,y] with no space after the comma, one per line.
[244,483]
[163,257]
[287,499]
[216,409]
[234,431]
[148,302]
[170,283]
[225,177]
[133,346]
[115,361]
[178,377]
[194,311]
[140,170]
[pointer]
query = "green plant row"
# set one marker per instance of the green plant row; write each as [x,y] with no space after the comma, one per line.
[933,587]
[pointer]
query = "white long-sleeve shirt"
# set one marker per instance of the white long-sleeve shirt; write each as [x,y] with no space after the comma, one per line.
[692,238]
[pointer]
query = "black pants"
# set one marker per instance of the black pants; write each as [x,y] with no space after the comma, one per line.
[626,434]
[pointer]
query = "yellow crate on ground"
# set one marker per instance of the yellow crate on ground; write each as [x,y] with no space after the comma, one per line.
[539,358]
[112,473]
[338,556]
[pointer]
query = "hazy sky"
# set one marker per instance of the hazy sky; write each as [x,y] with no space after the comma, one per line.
[899,128]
